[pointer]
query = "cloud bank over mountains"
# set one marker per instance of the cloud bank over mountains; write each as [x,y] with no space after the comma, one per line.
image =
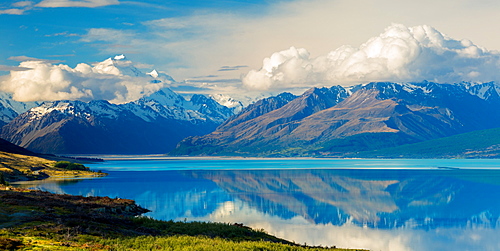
[115,79]
[399,54]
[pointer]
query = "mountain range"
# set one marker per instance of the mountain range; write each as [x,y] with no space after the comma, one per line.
[378,119]
[10,109]
[144,126]
[339,121]
[151,124]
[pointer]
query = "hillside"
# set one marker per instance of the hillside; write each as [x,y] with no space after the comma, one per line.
[339,121]
[19,164]
[18,167]
[477,144]
[8,147]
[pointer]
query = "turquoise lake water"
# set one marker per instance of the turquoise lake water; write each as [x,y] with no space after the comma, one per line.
[372,204]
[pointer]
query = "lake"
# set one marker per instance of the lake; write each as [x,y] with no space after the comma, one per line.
[372,204]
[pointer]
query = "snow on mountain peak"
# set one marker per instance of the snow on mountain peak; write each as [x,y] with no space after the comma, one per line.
[76,108]
[119,57]
[118,66]
[482,90]
[169,104]
[9,108]
[153,73]
[227,101]
[106,67]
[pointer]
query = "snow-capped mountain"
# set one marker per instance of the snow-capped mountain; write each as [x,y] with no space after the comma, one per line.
[228,101]
[9,108]
[152,124]
[170,105]
[333,121]
[487,91]
[119,65]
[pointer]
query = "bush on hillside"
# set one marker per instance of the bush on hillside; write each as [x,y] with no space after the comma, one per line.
[70,166]
[2,180]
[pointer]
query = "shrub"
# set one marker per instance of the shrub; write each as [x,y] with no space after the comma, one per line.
[70,166]
[10,244]
[2,180]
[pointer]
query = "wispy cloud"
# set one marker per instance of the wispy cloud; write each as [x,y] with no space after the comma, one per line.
[207,76]
[232,68]
[63,34]
[23,4]
[111,36]
[229,80]
[61,56]
[13,68]
[12,11]
[76,3]
[144,66]
[26,58]
[19,8]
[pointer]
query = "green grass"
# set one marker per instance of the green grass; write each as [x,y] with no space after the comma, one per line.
[476,144]
[336,147]
[70,166]
[196,243]
[468,145]
[35,220]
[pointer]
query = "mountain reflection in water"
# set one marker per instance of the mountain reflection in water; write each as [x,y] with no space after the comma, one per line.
[373,198]
[374,209]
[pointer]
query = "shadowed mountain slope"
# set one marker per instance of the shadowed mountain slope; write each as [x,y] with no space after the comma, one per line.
[152,124]
[323,121]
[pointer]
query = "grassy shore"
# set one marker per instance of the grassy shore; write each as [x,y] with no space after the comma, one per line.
[37,220]
[18,167]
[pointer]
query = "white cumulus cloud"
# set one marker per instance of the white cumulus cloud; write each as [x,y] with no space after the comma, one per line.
[400,53]
[115,79]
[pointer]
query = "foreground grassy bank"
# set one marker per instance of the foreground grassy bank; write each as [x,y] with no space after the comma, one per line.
[36,220]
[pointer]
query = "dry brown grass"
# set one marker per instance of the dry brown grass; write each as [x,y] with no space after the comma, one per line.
[18,167]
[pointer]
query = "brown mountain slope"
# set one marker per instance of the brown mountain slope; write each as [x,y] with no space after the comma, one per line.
[366,112]
[269,126]
[377,115]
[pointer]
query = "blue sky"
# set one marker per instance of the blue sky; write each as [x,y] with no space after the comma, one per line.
[56,32]
[259,46]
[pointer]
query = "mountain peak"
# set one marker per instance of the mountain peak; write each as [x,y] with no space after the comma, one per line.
[336,120]
[119,57]
[153,73]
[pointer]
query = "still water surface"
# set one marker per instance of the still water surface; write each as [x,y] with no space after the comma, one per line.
[372,204]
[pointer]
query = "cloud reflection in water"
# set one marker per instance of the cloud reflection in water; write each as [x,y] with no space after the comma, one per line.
[351,235]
